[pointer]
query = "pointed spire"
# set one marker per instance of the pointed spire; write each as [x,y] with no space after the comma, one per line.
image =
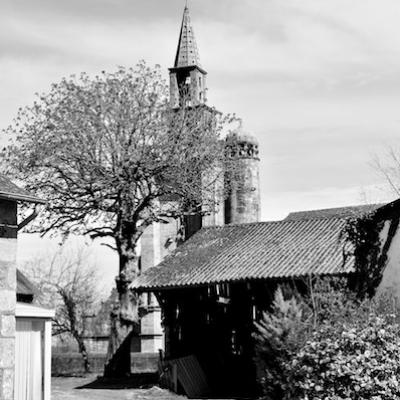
[187,53]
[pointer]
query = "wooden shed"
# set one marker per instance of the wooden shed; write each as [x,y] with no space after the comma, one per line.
[215,285]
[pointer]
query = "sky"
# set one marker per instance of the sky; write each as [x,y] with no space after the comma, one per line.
[317,82]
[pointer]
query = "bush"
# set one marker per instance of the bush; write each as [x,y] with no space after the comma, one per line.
[348,362]
[329,346]
[280,334]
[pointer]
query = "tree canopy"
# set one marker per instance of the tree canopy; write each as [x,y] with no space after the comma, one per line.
[111,156]
[102,150]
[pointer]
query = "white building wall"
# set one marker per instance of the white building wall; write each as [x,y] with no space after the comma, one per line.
[391,275]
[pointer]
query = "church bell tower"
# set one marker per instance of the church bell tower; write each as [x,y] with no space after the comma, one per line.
[187,78]
[187,88]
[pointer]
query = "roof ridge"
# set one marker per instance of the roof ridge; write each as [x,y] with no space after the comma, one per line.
[341,207]
[273,222]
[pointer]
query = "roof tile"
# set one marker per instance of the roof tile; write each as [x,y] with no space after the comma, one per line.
[187,53]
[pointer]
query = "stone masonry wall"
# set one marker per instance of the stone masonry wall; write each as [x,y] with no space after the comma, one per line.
[158,240]
[244,202]
[71,364]
[8,250]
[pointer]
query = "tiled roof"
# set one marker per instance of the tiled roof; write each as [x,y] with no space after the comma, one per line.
[187,53]
[264,250]
[340,212]
[10,191]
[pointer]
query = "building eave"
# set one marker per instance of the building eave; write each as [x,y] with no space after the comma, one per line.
[24,310]
[18,197]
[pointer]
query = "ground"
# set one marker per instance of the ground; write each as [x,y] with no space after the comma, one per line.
[74,389]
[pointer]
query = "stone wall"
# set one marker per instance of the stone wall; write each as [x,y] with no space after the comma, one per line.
[243,205]
[8,250]
[71,364]
[158,240]
[144,363]
[69,345]
[151,332]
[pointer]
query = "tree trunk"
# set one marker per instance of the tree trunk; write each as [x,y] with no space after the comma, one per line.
[124,315]
[83,351]
[73,319]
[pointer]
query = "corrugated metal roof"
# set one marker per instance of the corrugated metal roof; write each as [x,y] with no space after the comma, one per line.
[265,250]
[10,191]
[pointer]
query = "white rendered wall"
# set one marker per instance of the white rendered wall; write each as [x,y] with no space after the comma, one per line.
[391,275]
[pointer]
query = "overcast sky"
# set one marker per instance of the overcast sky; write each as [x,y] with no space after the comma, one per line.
[317,82]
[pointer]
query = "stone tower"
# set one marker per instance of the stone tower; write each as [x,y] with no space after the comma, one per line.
[243,203]
[187,78]
[188,88]
[187,84]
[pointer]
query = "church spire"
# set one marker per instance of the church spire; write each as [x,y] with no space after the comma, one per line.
[187,53]
[187,78]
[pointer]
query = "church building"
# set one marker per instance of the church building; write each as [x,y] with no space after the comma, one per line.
[188,83]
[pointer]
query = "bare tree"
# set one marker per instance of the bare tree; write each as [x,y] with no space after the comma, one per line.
[111,157]
[388,167]
[67,281]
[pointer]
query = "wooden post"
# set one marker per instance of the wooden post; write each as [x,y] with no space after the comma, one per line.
[175,377]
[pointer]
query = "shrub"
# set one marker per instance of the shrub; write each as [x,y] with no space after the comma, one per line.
[349,361]
[329,345]
[280,334]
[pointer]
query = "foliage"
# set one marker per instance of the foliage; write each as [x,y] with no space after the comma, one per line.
[364,236]
[69,283]
[110,157]
[349,361]
[329,345]
[102,150]
[279,334]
